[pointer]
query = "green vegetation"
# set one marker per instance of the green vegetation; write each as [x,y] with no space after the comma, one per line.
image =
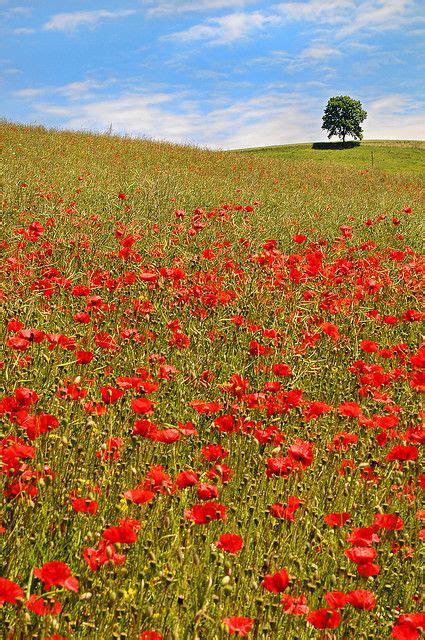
[394,156]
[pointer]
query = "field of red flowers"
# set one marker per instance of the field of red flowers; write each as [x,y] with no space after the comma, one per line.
[210,405]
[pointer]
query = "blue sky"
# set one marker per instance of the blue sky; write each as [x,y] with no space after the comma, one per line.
[218,73]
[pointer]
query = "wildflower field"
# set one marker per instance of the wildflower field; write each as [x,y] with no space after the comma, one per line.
[210,402]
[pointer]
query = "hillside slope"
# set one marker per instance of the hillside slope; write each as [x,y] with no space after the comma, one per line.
[395,156]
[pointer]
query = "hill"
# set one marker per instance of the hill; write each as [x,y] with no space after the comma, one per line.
[395,156]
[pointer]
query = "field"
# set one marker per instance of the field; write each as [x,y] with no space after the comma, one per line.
[396,156]
[212,369]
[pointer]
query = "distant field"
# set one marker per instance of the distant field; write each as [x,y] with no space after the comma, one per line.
[399,156]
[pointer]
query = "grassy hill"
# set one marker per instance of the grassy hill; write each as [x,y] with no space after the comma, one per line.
[211,369]
[396,156]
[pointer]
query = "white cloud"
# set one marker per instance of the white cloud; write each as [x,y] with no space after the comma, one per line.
[28,93]
[394,117]
[226,29]
[72,20]
[353,16]
[23,31]
[81,90]
[159,8]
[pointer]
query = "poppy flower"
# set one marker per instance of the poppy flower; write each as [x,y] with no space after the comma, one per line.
[294,605]
[277,582]
[85,505]
[350,409]
[316,409]
[283,512]
[207,491]
[139,496]
[282,370]
[361,555]
[368,569]
[187,479]
[43,607]
[324,618]
[230,542]
[336,599]
[214,452]
[369,346]
[362,599]
[142,405]
[239,625]
[337,519]
[204,513]
[9,591]
[56,573]
[407,626]
[301,451]
[125,532]
[389,521]
[150,635]
[205,407]
[402,453]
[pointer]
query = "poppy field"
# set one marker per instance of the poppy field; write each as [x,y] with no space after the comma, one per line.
[210,404]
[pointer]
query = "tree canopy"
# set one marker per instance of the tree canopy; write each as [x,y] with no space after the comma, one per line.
[343,117]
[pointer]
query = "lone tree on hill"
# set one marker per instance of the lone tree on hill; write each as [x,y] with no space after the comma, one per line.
[343,117]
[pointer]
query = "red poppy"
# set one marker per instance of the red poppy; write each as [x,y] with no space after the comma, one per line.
[337,519]
[301,451]
[150,635]
[204,513]
[277,582]
[125,532]
[336,599]
[350,409]
[402,453]
[294,605]
[361,555]
[9,591]
[316,409]
[368,569]
[369,346]
[286,512]
[282,370]
[110,395]
[85,505]
[214,452]
[43,607]
[389,521]
[139,496]
[230,542]
[187,479]
[362,599]
[207,491]
[142,405]
[324,619]
[408,625]
[239,625]
[56,573]
[205,407]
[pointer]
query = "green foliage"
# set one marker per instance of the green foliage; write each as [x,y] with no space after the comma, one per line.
[343,117]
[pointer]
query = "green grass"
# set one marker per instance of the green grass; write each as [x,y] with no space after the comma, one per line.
[395,156]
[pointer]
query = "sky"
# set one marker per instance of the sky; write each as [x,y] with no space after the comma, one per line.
[221,74]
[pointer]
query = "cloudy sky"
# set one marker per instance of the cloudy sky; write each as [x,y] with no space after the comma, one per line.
[218,73]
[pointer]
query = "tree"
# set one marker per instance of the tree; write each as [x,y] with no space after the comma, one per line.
[343,117]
